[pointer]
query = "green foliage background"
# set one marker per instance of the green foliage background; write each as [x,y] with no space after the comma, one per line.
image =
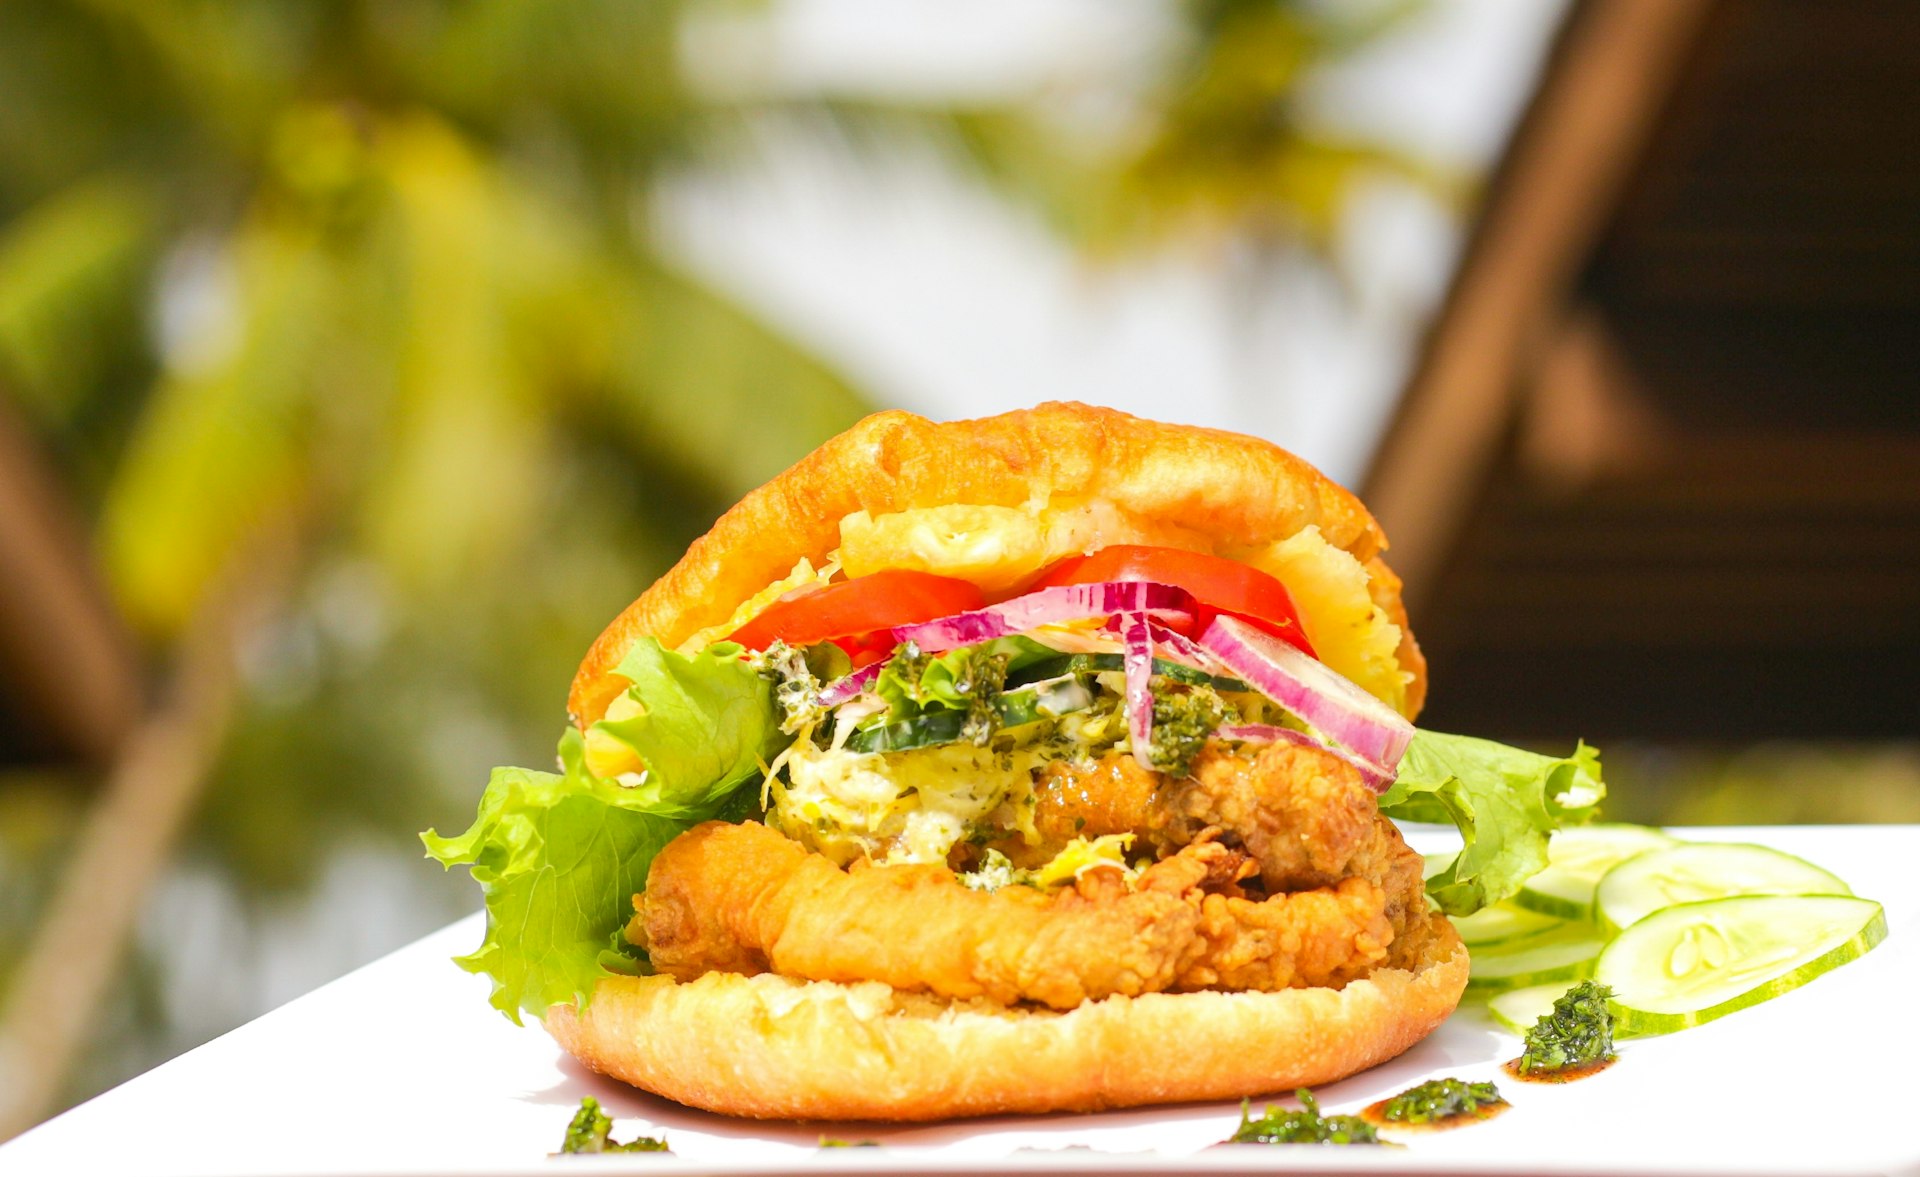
[372,276]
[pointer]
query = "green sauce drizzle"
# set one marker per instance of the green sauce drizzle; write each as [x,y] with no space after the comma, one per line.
[982,679]
[588,1134]
[1578,1032]
[1307,1126]
[1441,1099]
[1183,719]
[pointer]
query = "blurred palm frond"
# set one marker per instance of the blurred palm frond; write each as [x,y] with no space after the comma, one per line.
[1234,150]
[374,274]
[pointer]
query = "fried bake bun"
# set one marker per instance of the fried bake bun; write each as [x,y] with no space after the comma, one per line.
[770,1046]
[1224,493]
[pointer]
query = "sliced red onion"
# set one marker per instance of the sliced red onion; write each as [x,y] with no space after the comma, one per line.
[1067,602]
[850,686]
[1170,644]
[1330,704]
[1378,779]
[1179,647]
[1137,660]
[1264,733]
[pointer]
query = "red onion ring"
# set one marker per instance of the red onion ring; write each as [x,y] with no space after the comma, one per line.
[1331,705]
[849,686]
[1067,602]
[1137,660]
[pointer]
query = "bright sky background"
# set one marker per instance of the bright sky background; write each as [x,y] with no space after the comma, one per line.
[939,296]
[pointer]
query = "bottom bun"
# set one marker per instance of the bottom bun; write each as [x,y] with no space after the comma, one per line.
[776,1048]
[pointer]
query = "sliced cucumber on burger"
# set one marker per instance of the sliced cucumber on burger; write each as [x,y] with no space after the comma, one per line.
[1017,707]
[1098,663]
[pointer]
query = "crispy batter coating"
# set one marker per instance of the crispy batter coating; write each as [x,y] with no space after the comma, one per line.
[745,899]
[1303,815]
[1113,795]
[1306,817]
[1327,936]
[748,899]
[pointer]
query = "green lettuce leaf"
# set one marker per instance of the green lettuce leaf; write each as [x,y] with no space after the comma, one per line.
[1505,801]
[913,683]
[708,723]
[559,857]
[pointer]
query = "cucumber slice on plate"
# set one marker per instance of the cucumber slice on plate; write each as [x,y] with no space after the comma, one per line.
[1694,871]
[1565,954]
[1576,858]
[1521,1009]
[1500,923]
[1694,962]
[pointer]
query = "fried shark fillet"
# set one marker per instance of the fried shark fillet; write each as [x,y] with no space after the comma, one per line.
[1303,814]
[745,899]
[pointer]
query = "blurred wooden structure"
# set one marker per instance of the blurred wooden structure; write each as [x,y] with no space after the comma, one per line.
[1658,470]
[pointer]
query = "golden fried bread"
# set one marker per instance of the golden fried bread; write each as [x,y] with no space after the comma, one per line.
[1225,492]
[776,1048]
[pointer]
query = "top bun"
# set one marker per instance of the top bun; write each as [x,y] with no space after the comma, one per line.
[1225,492]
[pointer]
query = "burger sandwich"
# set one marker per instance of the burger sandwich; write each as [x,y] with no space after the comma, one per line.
[1042,762]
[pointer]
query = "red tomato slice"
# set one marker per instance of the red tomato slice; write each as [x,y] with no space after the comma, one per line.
[852,610]
[1220,585]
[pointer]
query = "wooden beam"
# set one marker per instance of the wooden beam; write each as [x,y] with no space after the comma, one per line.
[1586,417]
[1609,80]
